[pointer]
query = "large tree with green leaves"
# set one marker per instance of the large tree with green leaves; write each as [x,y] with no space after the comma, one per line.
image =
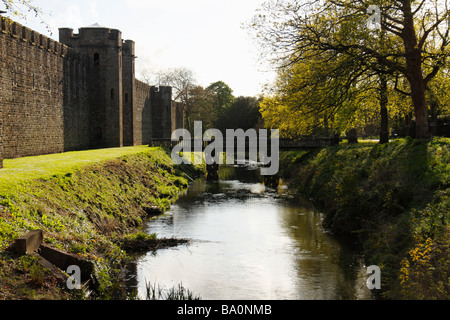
[319,97]
[243,113]
[200,108]
[418,33]
[223,97]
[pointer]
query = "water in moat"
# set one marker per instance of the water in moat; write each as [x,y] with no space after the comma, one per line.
[249,242]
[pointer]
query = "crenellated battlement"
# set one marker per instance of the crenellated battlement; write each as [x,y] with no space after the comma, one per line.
[33,38]
[91,36]
[140,85]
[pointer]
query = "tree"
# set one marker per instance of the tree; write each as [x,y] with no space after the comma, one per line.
[223,97]
[439,95]
[243,113]
[200,107]
[298,30]
[180,79]
[277,115]
[323,94]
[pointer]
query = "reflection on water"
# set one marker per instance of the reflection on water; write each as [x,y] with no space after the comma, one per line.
[250,243]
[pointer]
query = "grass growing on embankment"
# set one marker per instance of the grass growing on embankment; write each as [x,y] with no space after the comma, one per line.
[88,203]
[22,170]
[394,199]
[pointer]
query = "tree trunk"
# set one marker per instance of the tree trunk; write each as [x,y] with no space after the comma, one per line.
[187,121]
[384,125]
[420,107]
[414,74]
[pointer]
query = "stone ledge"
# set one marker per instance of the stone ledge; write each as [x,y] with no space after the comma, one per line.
[64,260]
[29,242]
[32,244]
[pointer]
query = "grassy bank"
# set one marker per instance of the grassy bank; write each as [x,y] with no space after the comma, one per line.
[90,203]
[394,200]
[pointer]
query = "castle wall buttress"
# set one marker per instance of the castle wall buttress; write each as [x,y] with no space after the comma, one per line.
[75,106]
[129,84]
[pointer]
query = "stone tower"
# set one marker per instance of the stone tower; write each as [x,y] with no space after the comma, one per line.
[161,102]
[104,50]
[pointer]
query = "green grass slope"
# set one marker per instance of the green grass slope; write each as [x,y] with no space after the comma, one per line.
[87,203]
[394,200]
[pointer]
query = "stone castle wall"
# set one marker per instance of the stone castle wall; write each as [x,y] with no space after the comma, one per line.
[143,115]
[42,94]
[75,94]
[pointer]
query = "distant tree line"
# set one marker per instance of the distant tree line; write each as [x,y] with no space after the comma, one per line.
[215,105]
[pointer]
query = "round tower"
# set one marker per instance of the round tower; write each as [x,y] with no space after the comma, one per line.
[103,47]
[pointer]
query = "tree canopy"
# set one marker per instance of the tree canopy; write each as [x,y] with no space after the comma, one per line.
[335,52]
[223,97]
[243,113]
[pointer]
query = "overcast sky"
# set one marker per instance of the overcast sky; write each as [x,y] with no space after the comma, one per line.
[203,35]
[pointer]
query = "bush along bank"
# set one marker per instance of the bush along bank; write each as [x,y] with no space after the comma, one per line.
[95,212]
[393,199]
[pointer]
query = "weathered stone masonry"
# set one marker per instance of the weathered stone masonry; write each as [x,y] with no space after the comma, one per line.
[75,94]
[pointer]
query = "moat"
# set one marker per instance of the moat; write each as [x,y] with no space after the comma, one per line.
[250,243]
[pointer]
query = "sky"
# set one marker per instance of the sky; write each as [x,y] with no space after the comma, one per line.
[205,36]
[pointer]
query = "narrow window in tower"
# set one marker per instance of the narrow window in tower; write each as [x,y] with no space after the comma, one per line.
[96,59]
[112,93]
[126,96]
